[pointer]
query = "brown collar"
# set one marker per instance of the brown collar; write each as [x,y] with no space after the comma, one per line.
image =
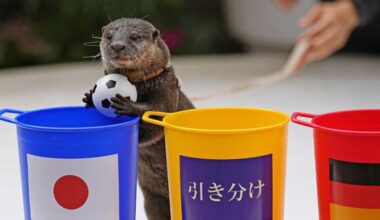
[136,77]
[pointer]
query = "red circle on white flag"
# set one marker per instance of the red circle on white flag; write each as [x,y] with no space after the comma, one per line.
[71,192]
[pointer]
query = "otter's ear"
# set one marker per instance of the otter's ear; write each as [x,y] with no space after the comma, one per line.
[103,29]
[155,34]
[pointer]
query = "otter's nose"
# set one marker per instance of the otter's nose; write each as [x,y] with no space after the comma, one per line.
[117,47]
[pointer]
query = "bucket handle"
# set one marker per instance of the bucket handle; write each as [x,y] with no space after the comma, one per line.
[11,111]
[147,117]
[296,115]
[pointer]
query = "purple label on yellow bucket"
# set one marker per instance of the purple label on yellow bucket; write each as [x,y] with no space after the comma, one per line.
[226,189]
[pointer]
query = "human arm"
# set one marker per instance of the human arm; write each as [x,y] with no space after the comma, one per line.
[368,10]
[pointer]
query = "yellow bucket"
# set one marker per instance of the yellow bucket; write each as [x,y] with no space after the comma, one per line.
[225,163]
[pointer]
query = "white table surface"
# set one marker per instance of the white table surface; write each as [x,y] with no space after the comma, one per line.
[342,82]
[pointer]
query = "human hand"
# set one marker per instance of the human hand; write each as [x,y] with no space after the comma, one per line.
[327,29]
[285,4]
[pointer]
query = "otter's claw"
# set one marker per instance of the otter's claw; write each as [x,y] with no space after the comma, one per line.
[88,99]
[122,105]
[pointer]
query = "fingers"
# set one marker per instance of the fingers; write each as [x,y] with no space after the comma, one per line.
[88,96]
[326,48]
[330,35]
[88,99]
[117,101]
[88,103]
[121,109]
[319,26]
[311,17]
[120,99]
[118,106]
[285,4]
[123,98]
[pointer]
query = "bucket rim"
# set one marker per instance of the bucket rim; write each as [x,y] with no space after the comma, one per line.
[317,126]
[134,120]
[167,116]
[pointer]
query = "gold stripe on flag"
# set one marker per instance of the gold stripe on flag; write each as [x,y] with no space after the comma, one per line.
[338,212]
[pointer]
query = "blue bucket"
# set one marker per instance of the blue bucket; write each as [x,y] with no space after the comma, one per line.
[76,164]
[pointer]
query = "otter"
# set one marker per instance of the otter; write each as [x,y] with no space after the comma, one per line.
[134,48]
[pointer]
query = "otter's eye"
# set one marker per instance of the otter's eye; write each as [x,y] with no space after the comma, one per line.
[135,37]
[109,36]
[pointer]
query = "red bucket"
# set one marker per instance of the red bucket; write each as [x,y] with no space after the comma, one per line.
[347,155]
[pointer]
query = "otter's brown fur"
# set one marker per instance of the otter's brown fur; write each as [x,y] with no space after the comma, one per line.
[134,47]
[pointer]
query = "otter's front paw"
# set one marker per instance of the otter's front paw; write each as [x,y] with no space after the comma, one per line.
[122,105]
[88,99]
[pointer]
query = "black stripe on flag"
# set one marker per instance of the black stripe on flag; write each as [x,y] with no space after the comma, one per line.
[355,173]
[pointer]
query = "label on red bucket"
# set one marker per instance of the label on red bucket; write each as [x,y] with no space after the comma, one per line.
[355,190]
[226,189]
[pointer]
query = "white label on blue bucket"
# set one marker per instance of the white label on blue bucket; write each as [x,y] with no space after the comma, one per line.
[75,189]
[226,189]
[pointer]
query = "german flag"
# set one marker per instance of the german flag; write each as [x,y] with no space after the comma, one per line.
[355,190]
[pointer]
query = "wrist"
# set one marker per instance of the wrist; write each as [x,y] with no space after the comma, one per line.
[351,13]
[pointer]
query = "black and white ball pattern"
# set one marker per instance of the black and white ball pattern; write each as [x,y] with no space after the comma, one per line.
[107,87]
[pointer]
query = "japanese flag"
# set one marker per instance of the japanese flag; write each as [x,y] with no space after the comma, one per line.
[73,189]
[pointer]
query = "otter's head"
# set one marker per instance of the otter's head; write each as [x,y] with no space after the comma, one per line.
[132,45]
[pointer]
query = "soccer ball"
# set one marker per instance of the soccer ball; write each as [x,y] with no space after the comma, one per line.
[107,87]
